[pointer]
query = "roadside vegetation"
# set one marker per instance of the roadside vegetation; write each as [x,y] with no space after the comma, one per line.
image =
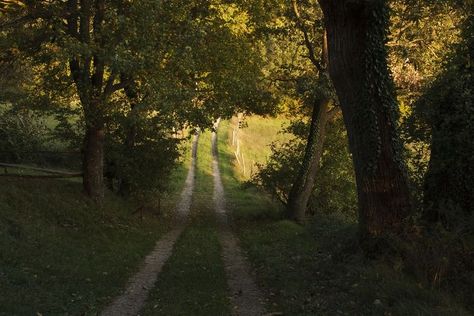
[319,268]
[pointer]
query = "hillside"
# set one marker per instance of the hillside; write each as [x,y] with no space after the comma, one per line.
[59,253]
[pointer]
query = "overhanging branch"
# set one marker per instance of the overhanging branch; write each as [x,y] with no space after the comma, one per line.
[307,41]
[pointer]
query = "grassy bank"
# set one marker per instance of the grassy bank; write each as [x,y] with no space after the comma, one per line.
[318,269]
[193,281]
[255,137]
[60,254]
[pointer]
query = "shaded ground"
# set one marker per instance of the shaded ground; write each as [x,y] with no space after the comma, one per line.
[61,255]
[132,300]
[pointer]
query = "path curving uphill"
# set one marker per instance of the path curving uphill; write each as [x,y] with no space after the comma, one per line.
[246,298]
[133,299]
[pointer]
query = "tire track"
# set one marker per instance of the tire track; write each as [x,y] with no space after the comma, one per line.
[246,298]
[133,299]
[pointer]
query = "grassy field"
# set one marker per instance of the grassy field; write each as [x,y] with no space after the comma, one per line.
[318,269]
[60,254]
[193,281]
[255,138]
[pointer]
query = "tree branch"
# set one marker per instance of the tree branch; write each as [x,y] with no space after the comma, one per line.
[110,87]
[99,66]
[307,41]
[332,112]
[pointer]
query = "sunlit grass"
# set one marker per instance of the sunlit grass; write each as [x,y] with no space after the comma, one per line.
[255,138]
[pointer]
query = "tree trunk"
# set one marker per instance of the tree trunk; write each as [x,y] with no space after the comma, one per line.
[126,185]
[93,164]
[358,68]
[303,186]
[131,130]
[84,21]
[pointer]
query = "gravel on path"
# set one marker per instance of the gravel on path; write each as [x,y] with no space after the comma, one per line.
[133,299]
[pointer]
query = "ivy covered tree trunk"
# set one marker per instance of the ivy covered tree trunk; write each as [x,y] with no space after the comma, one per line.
[303,186]
[93,164]
[358,68]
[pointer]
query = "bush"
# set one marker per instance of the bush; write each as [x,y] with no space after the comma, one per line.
[139,159]
[21,132]
[335,187]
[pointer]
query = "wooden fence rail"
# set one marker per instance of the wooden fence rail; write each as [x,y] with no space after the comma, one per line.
[51,172]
